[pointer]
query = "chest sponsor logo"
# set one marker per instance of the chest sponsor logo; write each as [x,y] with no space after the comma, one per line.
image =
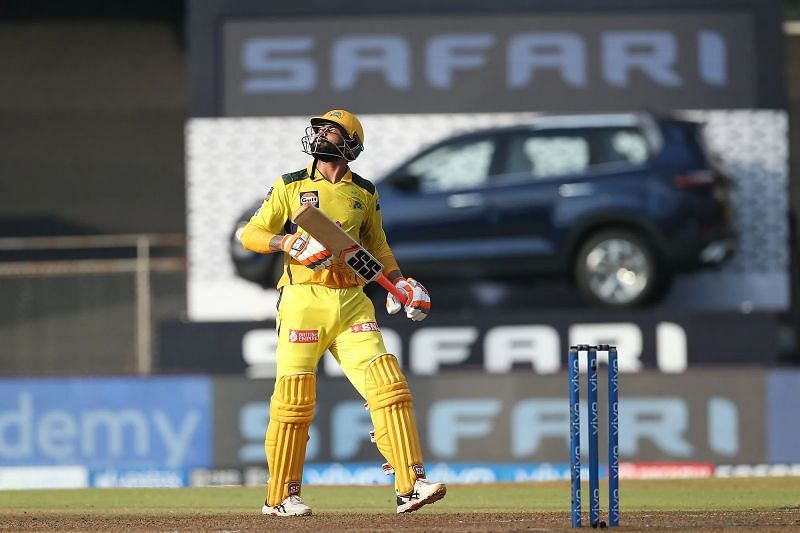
[303,335]
[355,203]
[364,326]
[309,197]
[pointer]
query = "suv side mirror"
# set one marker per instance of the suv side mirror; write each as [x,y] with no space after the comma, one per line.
[406,182]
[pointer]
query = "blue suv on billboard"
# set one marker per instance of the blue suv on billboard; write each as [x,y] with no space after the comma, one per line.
[618,203]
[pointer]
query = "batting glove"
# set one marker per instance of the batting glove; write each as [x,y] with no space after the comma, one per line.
[306,250]
[420,304]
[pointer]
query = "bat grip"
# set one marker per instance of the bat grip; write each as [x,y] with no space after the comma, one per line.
[389,286]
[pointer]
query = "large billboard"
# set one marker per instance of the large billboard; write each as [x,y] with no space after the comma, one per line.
[715,416]
[118,423]
[474,427]
[523,342]
[576,62]
[252,58]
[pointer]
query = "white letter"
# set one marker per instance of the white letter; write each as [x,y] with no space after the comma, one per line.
[432,346]
[652,52]
[259,347]
[555,50]
[178,442]
[723,426]
[350,426]
[662,420]
[23,420]
[671,350]
[383,53]
[57,431]
[627,337]
[443,56]
[712,55]
[533,420]
[450,420]
[253,419]
[115,422]
[287,75]
[505,345]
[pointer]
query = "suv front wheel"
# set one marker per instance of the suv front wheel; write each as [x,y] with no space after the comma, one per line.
[617,268]
[263,269]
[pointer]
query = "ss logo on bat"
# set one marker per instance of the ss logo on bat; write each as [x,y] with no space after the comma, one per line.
[364,264]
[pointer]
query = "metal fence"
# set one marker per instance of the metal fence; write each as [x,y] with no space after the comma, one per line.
[47,284]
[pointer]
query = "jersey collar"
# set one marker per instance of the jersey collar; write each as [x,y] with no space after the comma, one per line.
[348,176]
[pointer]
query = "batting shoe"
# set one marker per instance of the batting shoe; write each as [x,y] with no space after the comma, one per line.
[423,494]
[291,506]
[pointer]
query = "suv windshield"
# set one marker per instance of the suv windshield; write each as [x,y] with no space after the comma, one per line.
[454,166]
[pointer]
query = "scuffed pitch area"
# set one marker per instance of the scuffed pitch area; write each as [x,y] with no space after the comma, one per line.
[428,520]
[715,504]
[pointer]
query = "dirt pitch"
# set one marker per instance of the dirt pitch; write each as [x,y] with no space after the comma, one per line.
[428,520]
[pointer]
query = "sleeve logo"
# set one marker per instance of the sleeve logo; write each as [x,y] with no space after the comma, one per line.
[303,335]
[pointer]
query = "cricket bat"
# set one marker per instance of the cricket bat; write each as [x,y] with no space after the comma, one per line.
[343,246]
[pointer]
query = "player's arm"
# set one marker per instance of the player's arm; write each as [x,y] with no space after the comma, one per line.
[262,234]
[394,275]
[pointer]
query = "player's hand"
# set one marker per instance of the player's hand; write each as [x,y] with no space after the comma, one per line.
[307,250]
[420,304]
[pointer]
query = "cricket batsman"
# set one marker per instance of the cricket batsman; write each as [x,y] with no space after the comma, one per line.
[322,306]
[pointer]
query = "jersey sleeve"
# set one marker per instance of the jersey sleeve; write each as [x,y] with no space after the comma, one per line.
[268,221]
[373,237]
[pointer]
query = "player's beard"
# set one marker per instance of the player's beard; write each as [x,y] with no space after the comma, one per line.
[324,150]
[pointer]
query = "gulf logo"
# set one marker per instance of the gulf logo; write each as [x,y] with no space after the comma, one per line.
[309,197]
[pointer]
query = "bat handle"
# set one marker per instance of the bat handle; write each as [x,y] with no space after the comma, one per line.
[389,286]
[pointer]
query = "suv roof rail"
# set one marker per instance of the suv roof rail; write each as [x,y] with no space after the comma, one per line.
[586,120]
[644,120]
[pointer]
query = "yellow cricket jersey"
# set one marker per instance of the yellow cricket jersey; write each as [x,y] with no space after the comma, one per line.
[352,201]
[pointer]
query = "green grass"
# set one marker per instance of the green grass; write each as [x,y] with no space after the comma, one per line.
[700,495]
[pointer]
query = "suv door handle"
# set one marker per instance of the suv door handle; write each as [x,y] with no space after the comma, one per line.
[571,190]
[457,201]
